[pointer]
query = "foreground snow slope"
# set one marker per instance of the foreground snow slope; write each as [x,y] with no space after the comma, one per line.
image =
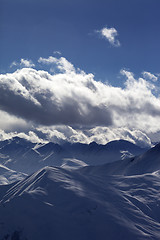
[56,203]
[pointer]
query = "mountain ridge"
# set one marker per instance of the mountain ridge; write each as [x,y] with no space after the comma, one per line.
[24,156]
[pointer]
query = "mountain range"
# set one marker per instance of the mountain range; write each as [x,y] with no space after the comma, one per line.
[24,156]
[116,200]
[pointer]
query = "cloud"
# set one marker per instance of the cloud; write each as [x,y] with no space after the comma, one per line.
[26,63]
[110,34]
[11,123]
[150,76]
[103,135]
[60,134]
[57,53]
[23,63]
[14,64]
[30,136]
[67,98]
[73,98]
[62,64]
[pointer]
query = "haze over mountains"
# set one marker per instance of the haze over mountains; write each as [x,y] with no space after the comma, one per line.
[116,200]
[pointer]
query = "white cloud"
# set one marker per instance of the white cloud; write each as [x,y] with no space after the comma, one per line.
[11,123]
[62,63]
[26,63]
[110,34]
[150,76]
[59,134]
[103,135]
[67,98]
[23,63]
[57,53]
[30,136]
[48,60]
[13,64]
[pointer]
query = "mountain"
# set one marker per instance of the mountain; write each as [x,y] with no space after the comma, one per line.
[58,203]
[23,156]
[117,200]
[147,162]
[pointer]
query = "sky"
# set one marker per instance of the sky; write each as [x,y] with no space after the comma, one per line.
[80,71]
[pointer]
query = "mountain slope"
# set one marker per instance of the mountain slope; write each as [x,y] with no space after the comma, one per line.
[147,162]
[56,203]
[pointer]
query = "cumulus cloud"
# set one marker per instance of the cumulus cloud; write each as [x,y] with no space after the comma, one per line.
[110,35]
[150,76]
[22,63]
[73,98]
[52,99]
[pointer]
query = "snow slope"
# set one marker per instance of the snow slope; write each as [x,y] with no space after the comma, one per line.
[8,176]
[56,203]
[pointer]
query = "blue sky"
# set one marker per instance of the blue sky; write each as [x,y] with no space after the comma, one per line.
[30,29]
[117,41]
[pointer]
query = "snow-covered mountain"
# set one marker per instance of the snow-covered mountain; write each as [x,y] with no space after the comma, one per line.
[57,203]
[24,156]
[147,162]
[118,200]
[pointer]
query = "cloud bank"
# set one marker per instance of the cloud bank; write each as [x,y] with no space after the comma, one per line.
[60,134]
[72,99]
